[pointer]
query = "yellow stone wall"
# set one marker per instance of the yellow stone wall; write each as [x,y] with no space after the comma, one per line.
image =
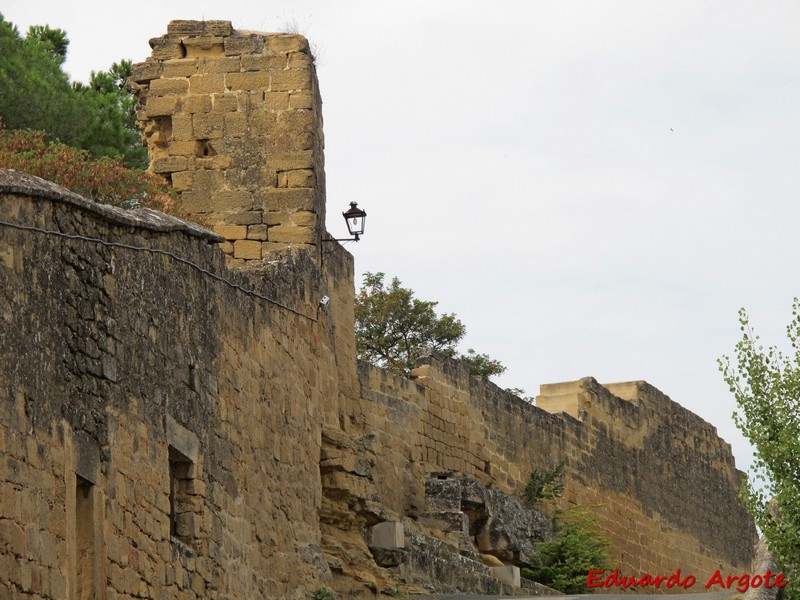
[233,120]
[662,480]
[185,366]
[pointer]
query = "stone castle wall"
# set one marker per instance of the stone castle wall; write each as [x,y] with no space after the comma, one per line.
[662,480]
[129,347]
[179,419]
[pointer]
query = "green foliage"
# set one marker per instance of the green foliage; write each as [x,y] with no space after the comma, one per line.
[482,365]
[35,93]
[104,180]
[576,549]
[766,385]
[544,485]
[322,594]
[521,394]
[113,131]
[54,41]
[393,329]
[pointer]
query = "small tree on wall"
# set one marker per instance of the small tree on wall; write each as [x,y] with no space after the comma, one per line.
[393,329]
[576,547]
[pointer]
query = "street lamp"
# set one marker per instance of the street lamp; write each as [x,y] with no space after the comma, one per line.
[354,217]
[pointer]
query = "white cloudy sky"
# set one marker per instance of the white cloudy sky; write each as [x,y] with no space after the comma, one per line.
[595,188]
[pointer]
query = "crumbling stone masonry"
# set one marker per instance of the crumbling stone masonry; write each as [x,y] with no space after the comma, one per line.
[233,119]
[180,419]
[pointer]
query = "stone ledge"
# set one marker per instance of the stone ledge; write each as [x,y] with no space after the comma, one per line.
[14,182]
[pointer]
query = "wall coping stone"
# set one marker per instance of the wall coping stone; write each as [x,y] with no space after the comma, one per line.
[15,182]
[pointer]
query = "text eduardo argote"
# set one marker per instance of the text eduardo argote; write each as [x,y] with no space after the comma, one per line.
[598,578]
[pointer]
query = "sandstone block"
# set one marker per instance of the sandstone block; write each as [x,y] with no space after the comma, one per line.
[291,79]
[304,218]
[207,181]
[159,106]
[257,232]
[180,67]
[247,249]
[291,234]
[288,161]
[287,42]
[225,102]
[244,218]
[235,124]
[209,28]
[301,100]
[146,71]
[182,181]
[271,217]
[233,200]
[181,126]
[297,178]
[267,247]
[213,162]
[231,232]
[226,247]
[228,64]
[197,103]
[389,534]
[300,60]
[244,44]
[207,126]
[296,120]
[203,46]
[263,124]
[269,62]
[277,199]
[186,148]
[207,83]
[253,80]
[169,164]
[166,47]
[172,85]
[277,101]
[508,575]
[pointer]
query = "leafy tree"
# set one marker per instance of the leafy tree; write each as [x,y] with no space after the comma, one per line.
[576,549]
[104,180]
[482,365]
[766,385]
[35,93]
[393,329]
[545,485]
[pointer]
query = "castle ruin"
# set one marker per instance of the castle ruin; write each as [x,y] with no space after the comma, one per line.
[180,419]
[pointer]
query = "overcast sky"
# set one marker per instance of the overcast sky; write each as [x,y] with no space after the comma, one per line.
[595,188]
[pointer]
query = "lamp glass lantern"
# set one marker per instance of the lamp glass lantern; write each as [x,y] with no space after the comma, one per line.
[355,217]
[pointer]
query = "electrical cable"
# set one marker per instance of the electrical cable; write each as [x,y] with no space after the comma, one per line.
[172,255]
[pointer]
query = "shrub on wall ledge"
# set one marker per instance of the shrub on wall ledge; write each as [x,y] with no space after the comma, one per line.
[576,549]
[103,180]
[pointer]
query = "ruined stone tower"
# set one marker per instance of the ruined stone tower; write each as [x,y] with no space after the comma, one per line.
[232,119]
